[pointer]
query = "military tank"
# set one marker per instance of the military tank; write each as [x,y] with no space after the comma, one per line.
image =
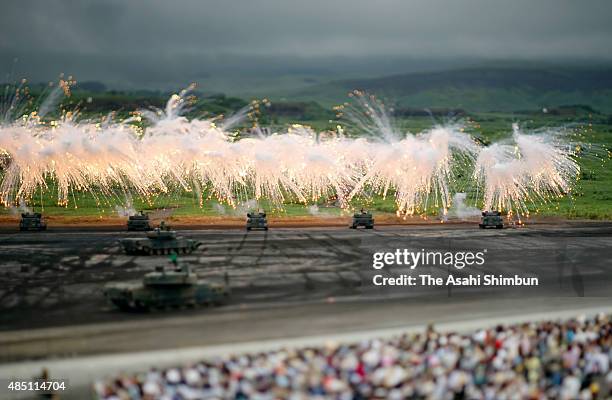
[491,219]
[173,287]
[161,240]
[139,222]
[257,220]
[362,218]
[32,222]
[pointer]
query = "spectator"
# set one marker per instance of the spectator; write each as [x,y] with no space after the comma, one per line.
[565,360]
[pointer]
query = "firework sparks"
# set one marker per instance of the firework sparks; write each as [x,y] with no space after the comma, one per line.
[528,169]
[174,152]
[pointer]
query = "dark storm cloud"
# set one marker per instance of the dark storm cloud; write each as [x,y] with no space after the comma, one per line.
[142,41]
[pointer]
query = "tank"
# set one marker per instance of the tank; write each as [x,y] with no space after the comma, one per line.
[174,287]
[32,222]
[362,218]
[161,240]
[257,220]
[491,219]
[139,222]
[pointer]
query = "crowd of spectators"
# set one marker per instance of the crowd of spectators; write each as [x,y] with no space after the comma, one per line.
[539,360]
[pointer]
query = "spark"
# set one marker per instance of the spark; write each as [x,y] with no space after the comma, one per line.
[175,153]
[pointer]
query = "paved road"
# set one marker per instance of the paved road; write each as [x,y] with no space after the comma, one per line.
[285,283]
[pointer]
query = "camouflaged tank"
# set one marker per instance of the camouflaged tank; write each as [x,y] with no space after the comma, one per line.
[491,219]
[257,220]
[173,287]
[139,222]
[161,240]
[362,218]
[32,222]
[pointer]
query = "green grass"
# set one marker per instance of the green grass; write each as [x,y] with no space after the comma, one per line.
[591,199]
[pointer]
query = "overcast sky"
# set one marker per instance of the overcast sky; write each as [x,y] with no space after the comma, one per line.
[140,42]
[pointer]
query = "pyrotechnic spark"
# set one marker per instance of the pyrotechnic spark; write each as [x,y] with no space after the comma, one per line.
[175,152]
[419,168]
[528,169]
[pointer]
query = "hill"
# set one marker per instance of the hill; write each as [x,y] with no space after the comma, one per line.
[480,89]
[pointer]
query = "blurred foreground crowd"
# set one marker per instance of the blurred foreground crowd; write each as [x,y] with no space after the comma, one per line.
[544,360]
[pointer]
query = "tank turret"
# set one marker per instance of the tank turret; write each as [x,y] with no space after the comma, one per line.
[175,286]
[161,240]
[31,221]
[139,222]
[257,220]
[179,275]
[163,232]
[362,218]
[491,219]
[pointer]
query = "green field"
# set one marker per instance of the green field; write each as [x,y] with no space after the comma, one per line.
[591,199]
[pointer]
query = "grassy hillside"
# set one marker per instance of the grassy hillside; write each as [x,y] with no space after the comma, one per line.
[480,89]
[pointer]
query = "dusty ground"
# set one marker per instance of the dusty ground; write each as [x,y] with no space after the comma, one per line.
[11,222]
[221,222]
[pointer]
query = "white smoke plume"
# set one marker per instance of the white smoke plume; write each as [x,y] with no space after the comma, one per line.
[460,210]
[21,209]
[219,208]
[313,209]
[127,209]
[180,154]
[535,168]
[242,209]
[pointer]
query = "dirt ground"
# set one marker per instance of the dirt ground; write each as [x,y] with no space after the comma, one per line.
[10,222]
